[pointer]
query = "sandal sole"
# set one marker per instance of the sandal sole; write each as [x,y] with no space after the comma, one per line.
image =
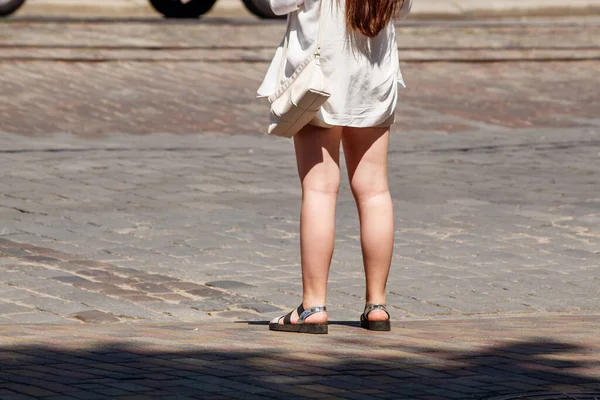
[318,329]
[376,325]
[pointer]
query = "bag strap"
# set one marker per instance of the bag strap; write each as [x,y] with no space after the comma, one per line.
[286,41]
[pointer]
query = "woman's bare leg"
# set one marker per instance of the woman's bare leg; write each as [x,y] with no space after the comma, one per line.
[365,150]
[317,155]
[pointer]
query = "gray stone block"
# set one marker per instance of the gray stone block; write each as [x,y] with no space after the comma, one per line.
[94,317]
[261,308]
[180,312]
[11,308]
[239,316]
[38,317]
[71,279]
[229,284]
[207,305]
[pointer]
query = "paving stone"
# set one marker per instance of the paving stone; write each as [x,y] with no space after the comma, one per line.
[28,390]
[12,252]
[18,396]
[39,272]
[180,312]
[229,284]
[130,387]
[117,291]
[259,307]
[173,297]
[119,308]
[186,286]
[112,392]
[94,316]
[152,288]
[94,265]
[89,396]
[38,318]
[205,292]
[97,287]
[207,305]
[71,279]
[55,306]
[157,278]
[61,397]
[94,273]
[11,308]
[140,298]
[116,280]
[239,315]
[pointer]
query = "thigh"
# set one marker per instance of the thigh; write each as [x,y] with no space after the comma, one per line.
[318,156]
[366,154]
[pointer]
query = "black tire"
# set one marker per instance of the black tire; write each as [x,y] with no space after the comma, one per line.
[8,7]
[261,9]
[177,9]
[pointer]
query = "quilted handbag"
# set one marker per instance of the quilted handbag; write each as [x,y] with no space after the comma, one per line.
[299,98]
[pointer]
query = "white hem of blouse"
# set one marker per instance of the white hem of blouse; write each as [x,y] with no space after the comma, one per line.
[261,93]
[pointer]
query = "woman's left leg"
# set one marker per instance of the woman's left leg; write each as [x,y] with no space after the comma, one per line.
[366,153]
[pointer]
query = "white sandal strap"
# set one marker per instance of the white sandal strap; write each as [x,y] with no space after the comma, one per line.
[373,307]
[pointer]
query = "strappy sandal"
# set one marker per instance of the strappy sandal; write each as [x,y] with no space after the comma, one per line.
[375,325]
[300,326]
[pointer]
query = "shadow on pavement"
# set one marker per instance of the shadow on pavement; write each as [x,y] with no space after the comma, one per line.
[355,324]
[339,367]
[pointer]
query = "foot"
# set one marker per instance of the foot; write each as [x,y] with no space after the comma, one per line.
[378,315]
[372,320]
[313,320]
[316,318]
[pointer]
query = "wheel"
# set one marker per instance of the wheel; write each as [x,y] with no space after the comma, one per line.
[261,8]
[8,7]
[182,9]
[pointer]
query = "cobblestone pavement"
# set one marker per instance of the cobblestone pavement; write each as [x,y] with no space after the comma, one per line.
[178,78]
[486,223]
[546,358]
[139,191]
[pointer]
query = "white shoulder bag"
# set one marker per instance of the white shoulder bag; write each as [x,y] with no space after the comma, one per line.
[300,97]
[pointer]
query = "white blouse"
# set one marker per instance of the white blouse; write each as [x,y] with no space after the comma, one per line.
[363,73]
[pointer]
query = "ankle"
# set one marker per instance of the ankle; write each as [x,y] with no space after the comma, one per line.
[311,302]
[371,300]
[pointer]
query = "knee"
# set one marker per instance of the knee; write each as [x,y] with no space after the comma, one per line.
[328,186]
[365,189]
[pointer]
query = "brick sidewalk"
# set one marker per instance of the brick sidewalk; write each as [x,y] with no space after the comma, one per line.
[425,360]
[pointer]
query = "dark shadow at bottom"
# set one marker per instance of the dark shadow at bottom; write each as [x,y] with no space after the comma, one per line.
[349,366]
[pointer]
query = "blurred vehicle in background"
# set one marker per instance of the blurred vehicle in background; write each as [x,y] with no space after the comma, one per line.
[196,8]
[9,6]
[171,8]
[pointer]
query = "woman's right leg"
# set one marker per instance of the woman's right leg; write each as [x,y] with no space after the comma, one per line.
[317,155]
[365,150]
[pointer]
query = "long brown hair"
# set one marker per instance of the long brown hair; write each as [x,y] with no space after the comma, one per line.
[369,17]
